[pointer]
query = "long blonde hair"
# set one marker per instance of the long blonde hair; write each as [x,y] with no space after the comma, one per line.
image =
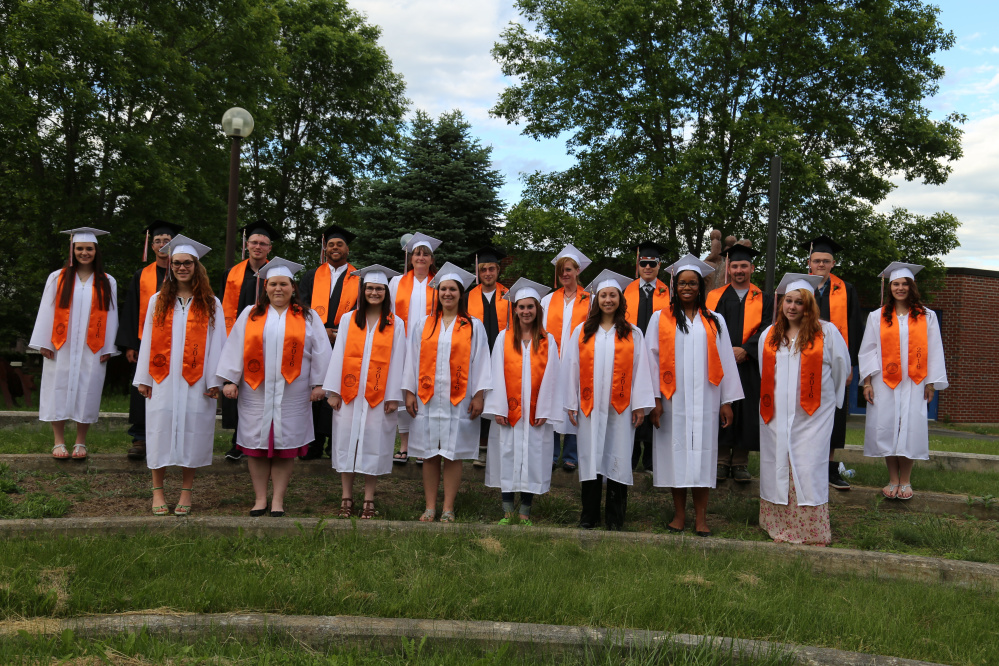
[537,332]
[810,324]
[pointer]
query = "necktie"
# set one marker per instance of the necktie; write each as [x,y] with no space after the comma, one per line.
[334,303]
[645,307]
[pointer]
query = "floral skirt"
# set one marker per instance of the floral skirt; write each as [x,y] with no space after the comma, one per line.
[791,523]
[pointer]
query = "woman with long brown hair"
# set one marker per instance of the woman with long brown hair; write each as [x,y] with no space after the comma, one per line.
[524,402]
[901,366]
[74,331]
[182,340]
[804,365]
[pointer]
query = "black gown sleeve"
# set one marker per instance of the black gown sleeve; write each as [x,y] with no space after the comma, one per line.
[128,316]
[855,323]
[752,345]
[305,288]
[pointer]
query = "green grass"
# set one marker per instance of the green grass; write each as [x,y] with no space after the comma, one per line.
[502,577]
[110,402]
[955,443]
[977,428]
[101,438]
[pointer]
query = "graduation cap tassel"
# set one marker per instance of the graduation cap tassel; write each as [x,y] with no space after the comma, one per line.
[638,252]
[242,252]
[726,270]
[882,292]
[476,268]
[322,251]
[145,248]
[70,250]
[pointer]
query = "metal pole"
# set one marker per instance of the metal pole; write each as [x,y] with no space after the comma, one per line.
[230,231]
[772,225]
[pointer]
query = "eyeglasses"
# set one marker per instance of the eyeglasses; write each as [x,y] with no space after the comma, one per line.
[182,264]
[258,244]
[374,287]
[648,263]
[686,285]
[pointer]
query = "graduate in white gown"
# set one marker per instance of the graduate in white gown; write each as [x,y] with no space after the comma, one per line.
[696,380]
[571,305]
[412,297]
[608,393]
[524,402]
[182,340]
[274,363]
[364,382]
[804,365]
[901,366]
[75,330]
[447,373]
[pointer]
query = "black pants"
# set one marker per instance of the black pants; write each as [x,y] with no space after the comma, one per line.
[136,410]
[643,437]
[838,438]
[616,506]
[322,423]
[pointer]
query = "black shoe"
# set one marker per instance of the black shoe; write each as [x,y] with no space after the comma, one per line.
[586,526]
[234,453]
[723,472]
[835,480]
[740,474]
[277,514]
[138,451]
[673,530]
[702,534]
[256,513]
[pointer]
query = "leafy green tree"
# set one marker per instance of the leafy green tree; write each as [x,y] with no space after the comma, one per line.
[673,109]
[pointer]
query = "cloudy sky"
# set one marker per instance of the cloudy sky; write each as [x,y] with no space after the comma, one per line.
[442,47]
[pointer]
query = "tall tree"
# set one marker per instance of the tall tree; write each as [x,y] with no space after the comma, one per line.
[673,109]
[442,185]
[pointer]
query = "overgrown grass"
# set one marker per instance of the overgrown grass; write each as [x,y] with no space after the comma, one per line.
[954,444]
[101,438]
[505,577]
[32,505]
[110,402]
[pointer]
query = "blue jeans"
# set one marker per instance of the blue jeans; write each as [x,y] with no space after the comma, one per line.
[568,450]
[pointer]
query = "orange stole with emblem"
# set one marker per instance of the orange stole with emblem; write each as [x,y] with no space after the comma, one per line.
[475,307]
[230,302]
[195,341]
[752,308]
[660,299]
[624,361]
[580,308]
[378,362]
[292,352]
[513,376]
[460,359]
[667,353]
[838,307]
[321,285]
[96,326]
[148,285]
[810,377]
[404,292]
[891,350]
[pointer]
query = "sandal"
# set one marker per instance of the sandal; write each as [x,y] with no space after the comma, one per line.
[401,458]
[183,509]
[901,489]
[428,516]
[890,491]
[346,507]
[447,517]
[65,451]
[163,509]
[77,447]
[569,467]
[368,510]
[419,461]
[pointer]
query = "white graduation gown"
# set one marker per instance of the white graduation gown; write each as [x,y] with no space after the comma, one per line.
[518,458]
[897,422]
[564,426]
[180,418]
[276,401]
[417,305]
[685,454]
[441,428]
[364,436]
[792,432]
[73,380]
[605,437]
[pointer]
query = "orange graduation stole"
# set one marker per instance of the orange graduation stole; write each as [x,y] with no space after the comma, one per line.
[624,359]
[667,353]
[378,363]
[502,305]
[96,326]
[403,293]
[752,308]
[811,377]
[321,292]
[837,307]
[891,350]
[195,341]
[148,285]
[291,356]
[660,299]
[230,302]
[512,373]
[461,358]
[556,306]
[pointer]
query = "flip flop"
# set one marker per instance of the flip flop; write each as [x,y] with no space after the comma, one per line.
[401,458]
[892,491]
[65,452]
[901,489]
[80,457]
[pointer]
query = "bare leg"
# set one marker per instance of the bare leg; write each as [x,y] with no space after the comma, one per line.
[81,432]
[185,495]
[370,481]
[260,473]
[680,506]
[403,442]
[280,478]
[700,508]
[347,485]
[159,476]
[59,432]
[892,463]
[452,481]
[431,481]
[905,474]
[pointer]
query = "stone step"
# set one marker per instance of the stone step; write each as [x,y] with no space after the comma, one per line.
[948,460]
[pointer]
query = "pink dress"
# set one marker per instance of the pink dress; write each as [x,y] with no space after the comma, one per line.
[791,523]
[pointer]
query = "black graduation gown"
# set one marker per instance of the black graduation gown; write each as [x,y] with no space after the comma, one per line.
[855,326]
[128,338]
[744,433]
[247,297]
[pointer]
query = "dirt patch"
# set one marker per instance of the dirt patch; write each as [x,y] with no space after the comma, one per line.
[491,545]
[748,579]
[695,579]
[55,583]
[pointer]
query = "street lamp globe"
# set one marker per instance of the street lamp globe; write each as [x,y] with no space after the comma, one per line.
[237,122]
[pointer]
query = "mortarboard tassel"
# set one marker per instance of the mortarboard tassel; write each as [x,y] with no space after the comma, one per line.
[726,270]
[882,292]
[70,250]
[322,251]
[476,268]
[242,253]
[145,248]
[638,252]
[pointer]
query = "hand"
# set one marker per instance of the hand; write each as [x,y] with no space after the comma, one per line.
[411,408]
[656,413]
[212,393]
[475,407]
[318,393]
[144,391]
[105,357]
[869,393]
[637,416]
[726,415]
[131,355]
[928,392]
[501,420]
[391,406]
[230,391]
[47,353]
[331,334]
[740,354]
[539,422]
[572,416]
[335,401]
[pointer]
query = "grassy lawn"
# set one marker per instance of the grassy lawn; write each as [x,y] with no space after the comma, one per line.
[515,578]
[955,443]
[102,438]
[110,402]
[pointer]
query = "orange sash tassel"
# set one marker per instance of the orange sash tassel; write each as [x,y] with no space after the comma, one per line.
[752,308]
[195,342]
[291,355]
[513,374]
[378,363]
[321,293]
[556,307]
[624,361]
[838,307]
[461,358]
[403,293]
[148,285]
[502,305]
[667,353]
[230,302]
[97,324]
[810,378]
[660,299]
[891,350]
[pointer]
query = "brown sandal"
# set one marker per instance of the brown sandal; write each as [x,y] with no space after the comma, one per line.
[368,511]
[346,507]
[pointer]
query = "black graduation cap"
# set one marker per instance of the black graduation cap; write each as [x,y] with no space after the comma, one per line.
[336,231]
[820,244]
[739,252]
[261,227]
[160,227]
[650,250]
[487,255]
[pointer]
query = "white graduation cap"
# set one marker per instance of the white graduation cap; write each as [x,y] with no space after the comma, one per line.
[422,240]
[84,234]
[569,251]
[524,288]
[797,281]
[277,267]
[897,269]
[608,278]
[376,274]
[691,263]
[181,244]
[451,272]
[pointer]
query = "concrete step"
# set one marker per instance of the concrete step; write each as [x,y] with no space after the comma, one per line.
[955,462]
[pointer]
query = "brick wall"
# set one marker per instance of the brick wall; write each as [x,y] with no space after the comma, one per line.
[969,309]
